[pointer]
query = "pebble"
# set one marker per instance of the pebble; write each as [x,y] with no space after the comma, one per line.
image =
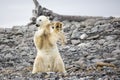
[83,36]
[74,42]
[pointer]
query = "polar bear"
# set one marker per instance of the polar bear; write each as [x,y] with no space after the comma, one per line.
[48,58]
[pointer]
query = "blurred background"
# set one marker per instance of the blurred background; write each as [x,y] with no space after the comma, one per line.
[18,12]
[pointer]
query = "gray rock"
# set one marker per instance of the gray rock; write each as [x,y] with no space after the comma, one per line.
[90,57]
[72,49]
[83,45]
[17,51]
[112,37]
[76,24]
[97,60]
[118,57]
[116,63]
[94,37]
[116,52]
[116,31]
[108,60]
[17,78]
[8,55]
[67,27]
[73,27]
[101,41]
[101,22]
[116,24]
[83,36]
[8,30]
[74,42]
[2,30]
[89,22]
[76,34]
[94,29]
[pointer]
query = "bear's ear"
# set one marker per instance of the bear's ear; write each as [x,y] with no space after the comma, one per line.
[52,23]
[61,24]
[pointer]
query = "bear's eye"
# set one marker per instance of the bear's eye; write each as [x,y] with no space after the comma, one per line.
[52,27]
[57,26]
[40,20]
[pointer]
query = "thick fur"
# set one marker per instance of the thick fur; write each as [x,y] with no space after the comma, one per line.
[58,29]
[48,58]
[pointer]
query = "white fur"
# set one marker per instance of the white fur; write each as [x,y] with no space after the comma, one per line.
[42,20]
[48,57]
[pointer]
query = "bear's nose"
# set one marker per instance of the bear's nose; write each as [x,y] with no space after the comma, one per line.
[37,25]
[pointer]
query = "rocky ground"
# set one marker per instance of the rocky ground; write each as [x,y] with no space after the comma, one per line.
[91,53]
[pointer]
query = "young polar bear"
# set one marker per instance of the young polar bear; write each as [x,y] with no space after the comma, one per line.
[48,58]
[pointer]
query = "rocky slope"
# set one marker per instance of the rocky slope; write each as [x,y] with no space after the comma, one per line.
[92,51]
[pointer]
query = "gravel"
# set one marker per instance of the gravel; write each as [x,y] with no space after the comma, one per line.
[89,42]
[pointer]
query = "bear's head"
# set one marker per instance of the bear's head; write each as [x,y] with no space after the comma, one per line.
[57,26]
[42,20]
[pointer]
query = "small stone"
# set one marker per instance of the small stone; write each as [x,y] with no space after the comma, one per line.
[91,57]
[116,63]
[101,41]
[18,78]
[83,36]
[94,37]
[8,30]
[74,42]
[80,62]
[97,60]
[26,64]
[100,79]
[72,49]
[109,60]
[94,29]
[8,56]
[112,37]
[118,57]
[82,45]
[76,34]
[73,27]
[116,52]
[2,30]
